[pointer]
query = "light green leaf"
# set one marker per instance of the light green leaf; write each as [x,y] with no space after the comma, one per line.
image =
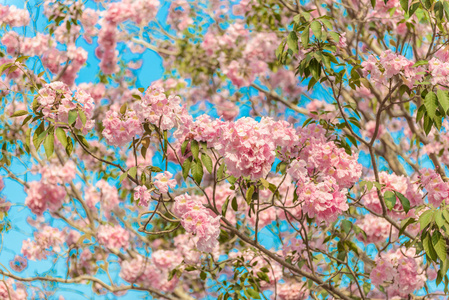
[390,199]
[431,104]
[133,171]
[292,42]
[426,218]
[19,113]
[49,144]
[60,134]
[207,162]
[73,114]
[194,147]
[316,29]
[197,171]
[443,99]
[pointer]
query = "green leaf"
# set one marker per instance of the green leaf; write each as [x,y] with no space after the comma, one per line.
[292,42]
[220,172]
[249,194]
[439,10]
[443,99]
[123,176]
[22,58]
[186,167]
[73,114]
[404,224]
[123,108]
[37,140]
[420,63]
[428,122]
[420,113]
[446,214]
[305,37]
[373,3]
[203,275]
[439,219]
[404,201]
[265,183]
[82,117]
[19,113]
[426,218]
[390,199]
[234,204]
[404,5]
[252,294]
[431,104]
[428,247]
[69,147]
[133,171]
[263,276]
[207,162]
[197,171]
[439,245]
[62,138]
[26,119]
[184,147]
[316,29]
[224,208]
[49,144]
[194,147]
[346,225]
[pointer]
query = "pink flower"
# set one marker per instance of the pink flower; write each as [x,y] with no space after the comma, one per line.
[163,181]
[113,237]
[141,193]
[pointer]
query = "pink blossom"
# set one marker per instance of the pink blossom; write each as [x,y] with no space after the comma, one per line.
[113,237]
[163,181]
[141,193]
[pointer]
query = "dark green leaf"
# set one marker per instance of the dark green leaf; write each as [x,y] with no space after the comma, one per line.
[404,201]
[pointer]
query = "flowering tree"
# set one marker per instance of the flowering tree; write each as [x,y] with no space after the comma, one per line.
[292,150]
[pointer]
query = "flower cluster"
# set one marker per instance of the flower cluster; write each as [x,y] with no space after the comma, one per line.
[437,189]
[196,220]
[393,182]
[121,129]
[113,237]
[46,240]
[49,193]
[14,290]
[247,147]
[398,272]
[55,101]
[325,200]
[13,16]
[158,109]
[391,64]
[377,229]
[143,271]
